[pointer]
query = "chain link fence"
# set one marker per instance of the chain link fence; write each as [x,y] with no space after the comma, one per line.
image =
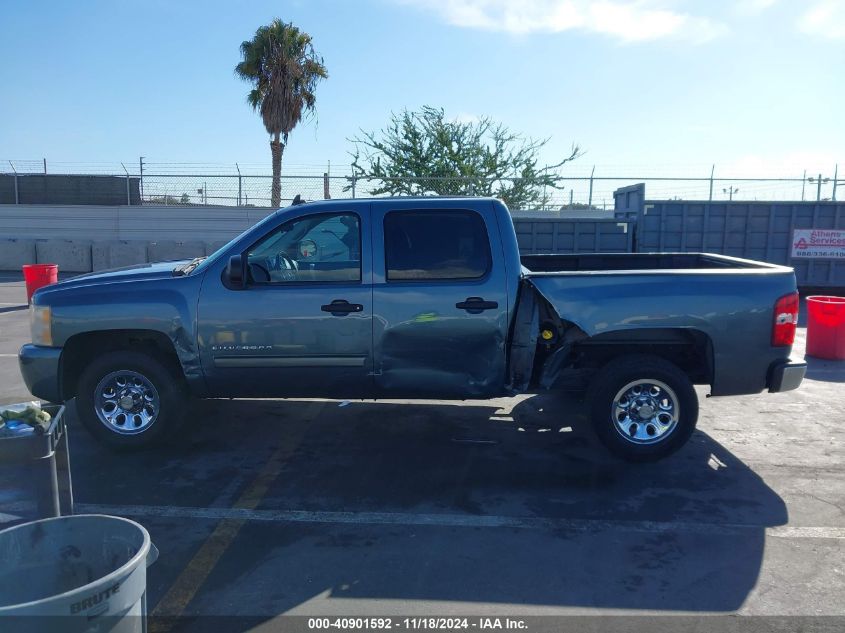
[192,184]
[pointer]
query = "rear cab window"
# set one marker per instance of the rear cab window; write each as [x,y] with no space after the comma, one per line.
[427,245]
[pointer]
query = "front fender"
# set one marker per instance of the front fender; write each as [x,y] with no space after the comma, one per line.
[166,306]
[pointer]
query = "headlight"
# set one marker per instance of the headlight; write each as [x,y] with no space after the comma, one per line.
[41,325]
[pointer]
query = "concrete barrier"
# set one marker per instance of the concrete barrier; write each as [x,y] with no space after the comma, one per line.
[79,257]
[116,254]
[71,256]
[211,247]
[166,251]
[16,253]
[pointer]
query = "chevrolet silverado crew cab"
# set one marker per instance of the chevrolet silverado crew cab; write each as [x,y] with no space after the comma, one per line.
[413,298]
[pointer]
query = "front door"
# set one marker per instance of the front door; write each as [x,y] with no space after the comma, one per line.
[440,300]
[302,326]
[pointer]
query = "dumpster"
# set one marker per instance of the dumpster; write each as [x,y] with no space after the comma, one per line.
[826,327]
[40,459]
[72,574]
[37,276]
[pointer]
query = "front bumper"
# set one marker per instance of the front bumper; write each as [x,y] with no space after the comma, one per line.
[785,376]
[40,368]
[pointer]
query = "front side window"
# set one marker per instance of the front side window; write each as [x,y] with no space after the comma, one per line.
[317,248]
[435,245]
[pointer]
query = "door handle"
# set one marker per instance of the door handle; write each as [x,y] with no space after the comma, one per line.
[476,305]
[340,307]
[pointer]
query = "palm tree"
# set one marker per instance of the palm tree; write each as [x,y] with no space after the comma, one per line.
[284,68]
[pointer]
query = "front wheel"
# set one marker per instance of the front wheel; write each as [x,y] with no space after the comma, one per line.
[643,408]
[129,400]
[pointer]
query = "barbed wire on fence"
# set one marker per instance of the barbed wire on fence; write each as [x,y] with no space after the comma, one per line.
[235,184]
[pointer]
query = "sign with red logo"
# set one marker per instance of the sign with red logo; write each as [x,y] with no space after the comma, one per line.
[818,244]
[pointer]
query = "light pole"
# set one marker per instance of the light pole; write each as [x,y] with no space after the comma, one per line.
[730,191]
[141,177]
[818,182]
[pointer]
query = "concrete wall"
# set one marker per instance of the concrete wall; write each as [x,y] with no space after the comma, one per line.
[168,250]
[16,253]
[85,238]
[80,256]
[93,237]
[71,256]
[117,254]
[109,223]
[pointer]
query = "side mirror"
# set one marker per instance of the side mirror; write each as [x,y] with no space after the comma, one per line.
[233,274]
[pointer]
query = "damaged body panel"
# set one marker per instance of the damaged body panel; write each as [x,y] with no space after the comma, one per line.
[727,311]
[426,344]
[523,349]
[143,304]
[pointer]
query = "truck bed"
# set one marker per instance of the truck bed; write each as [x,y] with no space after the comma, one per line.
[636,262]
[729,301]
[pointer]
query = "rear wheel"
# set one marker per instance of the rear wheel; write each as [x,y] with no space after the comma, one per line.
[643,408]
[129,400]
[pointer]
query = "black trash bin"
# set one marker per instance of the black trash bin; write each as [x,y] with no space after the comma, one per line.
[42,461]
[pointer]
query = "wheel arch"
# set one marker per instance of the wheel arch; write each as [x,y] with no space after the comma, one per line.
[690,349]
[80,349]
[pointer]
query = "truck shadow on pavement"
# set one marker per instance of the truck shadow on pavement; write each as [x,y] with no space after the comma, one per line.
[423,498]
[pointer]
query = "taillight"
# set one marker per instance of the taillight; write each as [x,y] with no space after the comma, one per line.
[785,321]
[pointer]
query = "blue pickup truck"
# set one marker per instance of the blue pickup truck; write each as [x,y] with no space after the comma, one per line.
[413,298]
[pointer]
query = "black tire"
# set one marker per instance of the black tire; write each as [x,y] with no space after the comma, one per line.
[168,387]
[618,374]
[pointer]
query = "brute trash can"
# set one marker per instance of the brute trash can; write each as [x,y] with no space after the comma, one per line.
[826,327]
[72,574]
[37,276]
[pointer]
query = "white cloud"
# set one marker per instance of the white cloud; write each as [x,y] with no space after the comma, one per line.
[628,21]
[753,7]
[825,19]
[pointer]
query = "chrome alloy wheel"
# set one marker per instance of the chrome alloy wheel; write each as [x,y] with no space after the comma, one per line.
[645,411]
[126,402]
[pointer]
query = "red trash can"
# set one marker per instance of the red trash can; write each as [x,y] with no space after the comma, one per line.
[39,275]
[826,327]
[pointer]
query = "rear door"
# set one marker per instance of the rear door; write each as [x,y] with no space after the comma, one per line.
[439,299]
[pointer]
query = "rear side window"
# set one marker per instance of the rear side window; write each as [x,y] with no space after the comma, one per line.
[426,245]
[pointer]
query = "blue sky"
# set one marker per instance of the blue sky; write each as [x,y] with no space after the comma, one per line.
[649,87]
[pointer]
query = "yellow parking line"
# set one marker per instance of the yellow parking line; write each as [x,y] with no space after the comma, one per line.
[194,575]
[189,582]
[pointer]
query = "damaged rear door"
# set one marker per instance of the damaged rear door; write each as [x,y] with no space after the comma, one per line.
[439,299]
